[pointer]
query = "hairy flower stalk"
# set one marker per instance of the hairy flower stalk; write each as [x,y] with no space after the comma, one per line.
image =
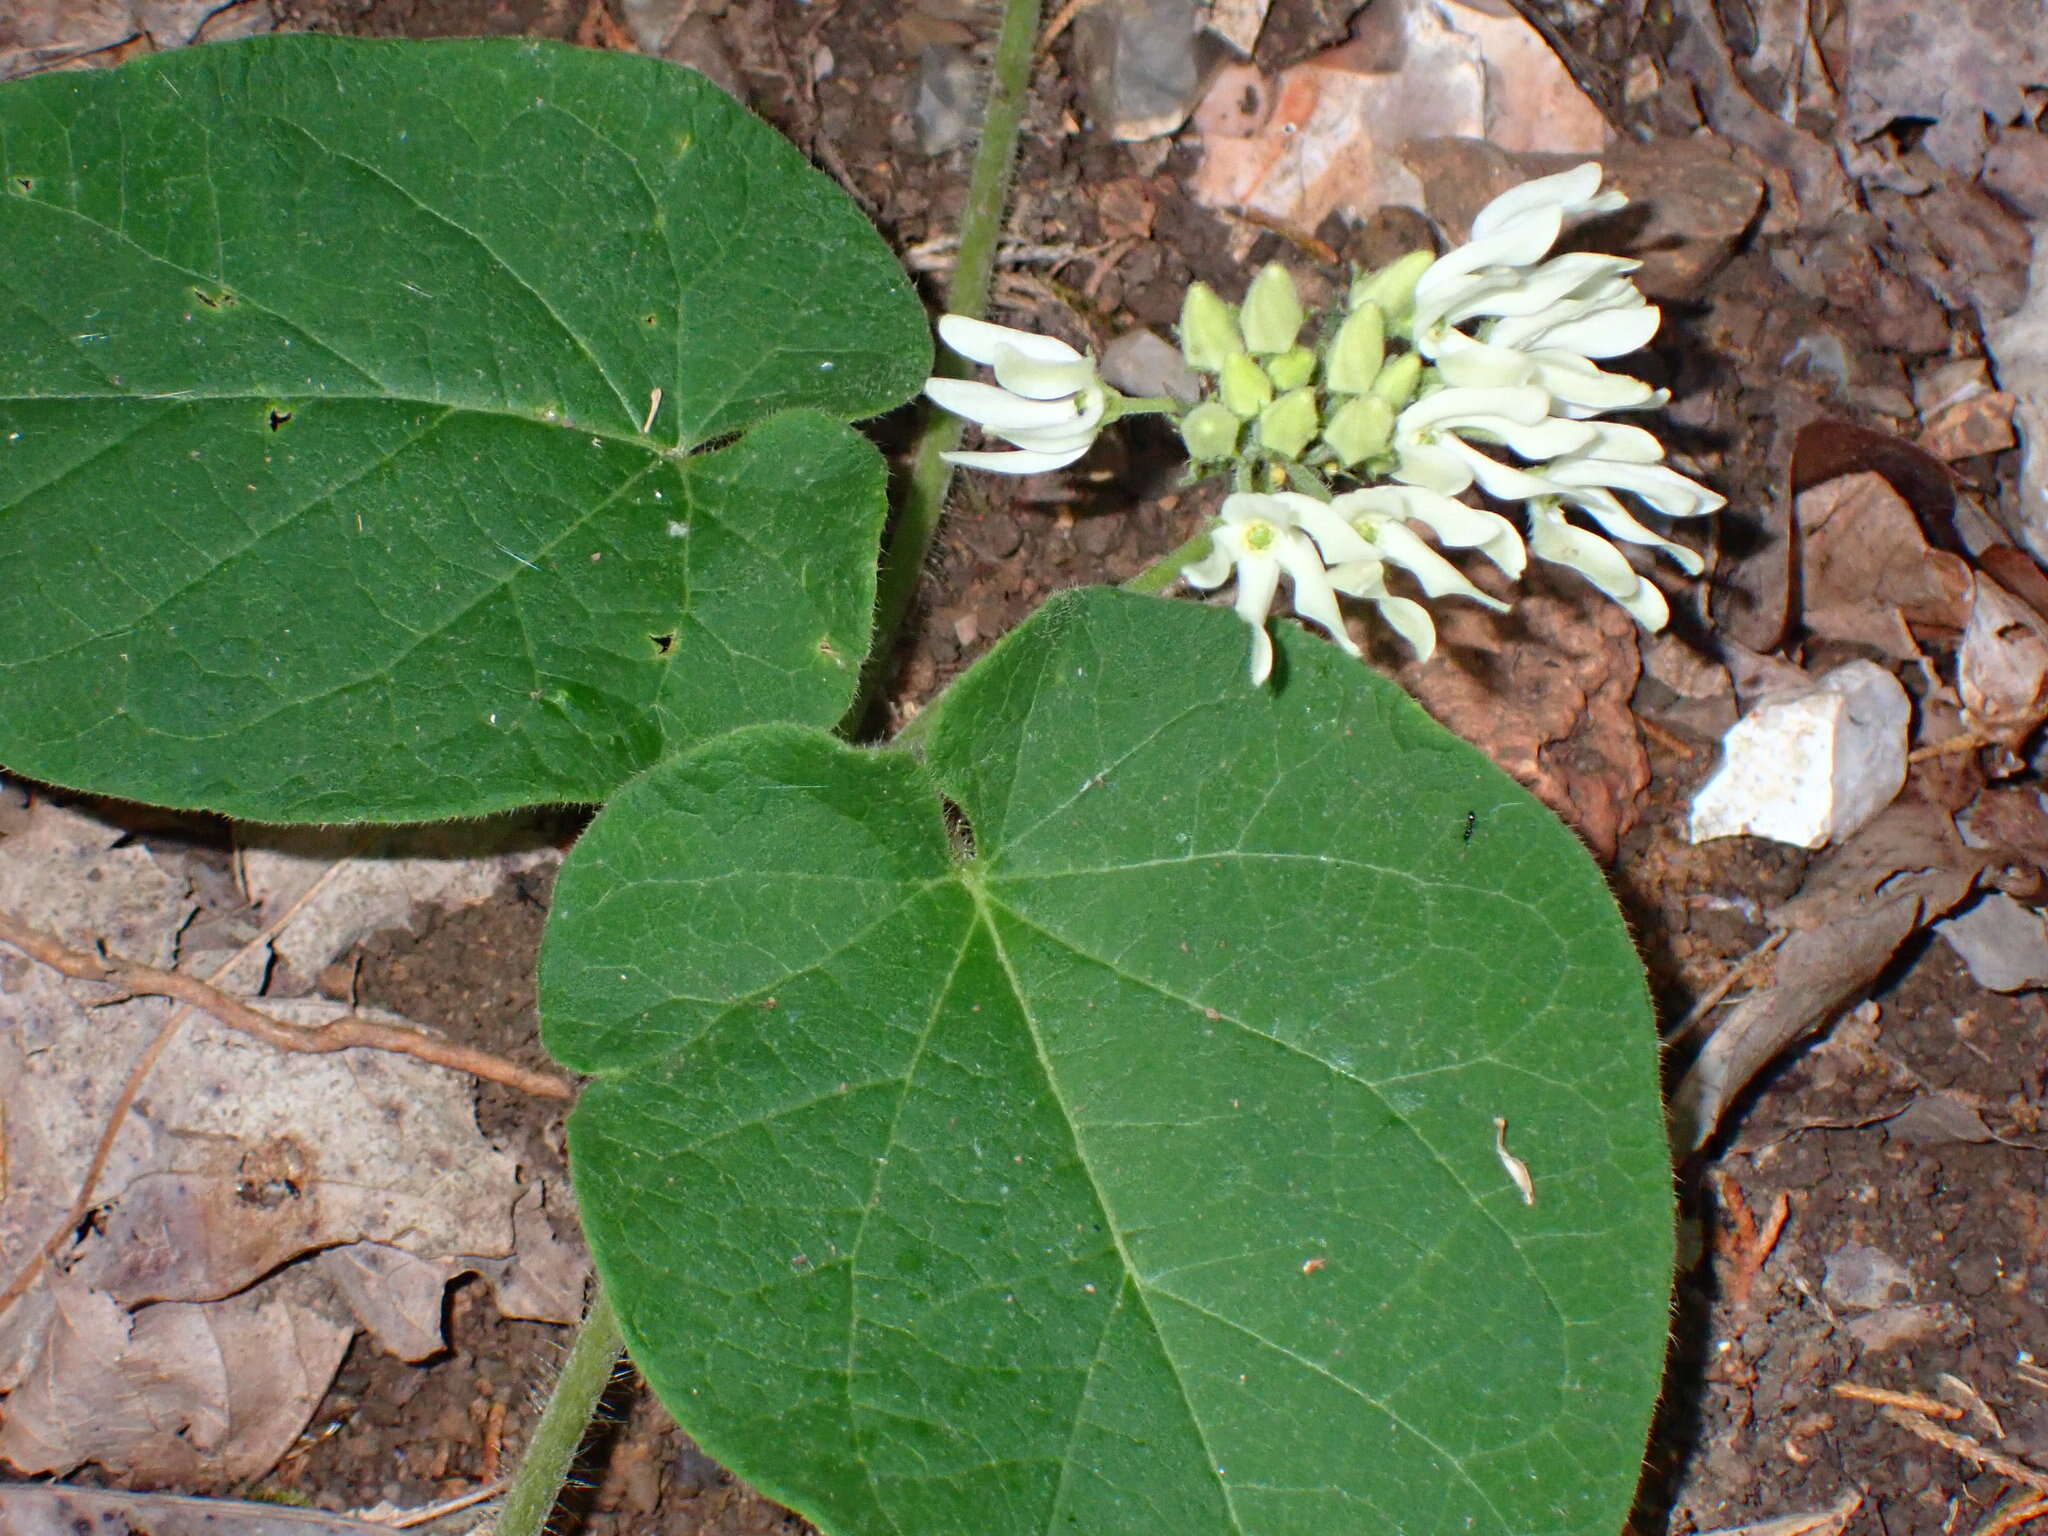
[1477,372]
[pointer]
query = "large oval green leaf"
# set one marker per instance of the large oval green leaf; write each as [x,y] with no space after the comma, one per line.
[1136,1172]
[333,481]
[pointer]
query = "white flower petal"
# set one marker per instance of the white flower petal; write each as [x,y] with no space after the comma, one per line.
[1523,405]
[1662,487]
[1432,467]
[1313,598]
[982,342]
[1552,538]
[1406,617]
[1574,191]
[1332,532]
[997,409]
[1455,523]
[1024,461]
[1611,515]
[1037,379]
[1214,568]
[1258,578]
[1432,572]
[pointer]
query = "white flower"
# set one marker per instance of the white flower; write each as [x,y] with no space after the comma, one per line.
[1260,538]
[1514,231]
[1552,538]
[1431,446]
[1046,398]
[1577,388]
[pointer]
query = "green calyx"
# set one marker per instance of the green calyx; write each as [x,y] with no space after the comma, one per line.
[1288,425]
[1358,350]
[1244,386]
[1397,381]
[1292,368]
[1359,429]
[1209,337]
[1392,287]
[1272,311]
[1210,432]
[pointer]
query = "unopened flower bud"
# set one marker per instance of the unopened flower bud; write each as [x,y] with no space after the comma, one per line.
[1208,330]
[1360,429]
[1392,287]
[1291,369]
[1360,348]
[1210,432]
[1272,311]
[1288,425]
[1244,386]
[1397,380]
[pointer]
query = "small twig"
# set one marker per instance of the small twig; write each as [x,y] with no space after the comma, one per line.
[2012,1513]
[1912,1402]
[405,1520]
[1969,741]
[1962,1445]
[1060,22]
[137,1075]
[1720,989]
[345,1033]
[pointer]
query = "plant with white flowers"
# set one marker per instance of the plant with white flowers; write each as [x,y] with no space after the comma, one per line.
[1081,1110]
[1477,371]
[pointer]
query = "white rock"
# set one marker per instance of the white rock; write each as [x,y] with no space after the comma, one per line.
[2004,944]
[1810,767]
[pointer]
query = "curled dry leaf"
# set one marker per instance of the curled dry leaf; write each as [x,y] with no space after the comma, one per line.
[2002,667]
[1857,907]
[1544,691]
[1867,575]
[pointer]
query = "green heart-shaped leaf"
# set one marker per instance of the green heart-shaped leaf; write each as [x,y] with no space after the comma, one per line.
[334,482]
[1138,1170]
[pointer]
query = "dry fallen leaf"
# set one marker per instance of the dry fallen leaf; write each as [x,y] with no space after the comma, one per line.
[1544,691]
[1858,905]
[2002,667]
[1332,128]
[179,1335]
[1866,574]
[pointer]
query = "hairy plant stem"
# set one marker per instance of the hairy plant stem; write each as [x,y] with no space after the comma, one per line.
[924,498]
[593,1354]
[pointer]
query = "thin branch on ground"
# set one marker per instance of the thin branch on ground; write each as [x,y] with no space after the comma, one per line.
[349,1032]
[191,993]
[137,1075]
[1970,1450]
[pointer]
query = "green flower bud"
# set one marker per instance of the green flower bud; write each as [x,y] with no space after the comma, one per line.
[1208,330]
[1245,387]
[1288,425]
[1292,368]
[1393,286]
[1397,380]
[1210,432]
[1360,430]
[1361,346]
[1272,311]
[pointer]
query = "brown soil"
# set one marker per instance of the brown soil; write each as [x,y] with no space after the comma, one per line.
[1751,1428]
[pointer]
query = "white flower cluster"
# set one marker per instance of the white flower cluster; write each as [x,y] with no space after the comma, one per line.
[1046,399]
[1497,386]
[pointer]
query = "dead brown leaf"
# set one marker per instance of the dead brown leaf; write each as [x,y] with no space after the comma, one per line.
[1858,905]
[1866,574]
[1544,691]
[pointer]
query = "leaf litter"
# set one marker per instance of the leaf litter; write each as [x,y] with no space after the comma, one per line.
[255,1208]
